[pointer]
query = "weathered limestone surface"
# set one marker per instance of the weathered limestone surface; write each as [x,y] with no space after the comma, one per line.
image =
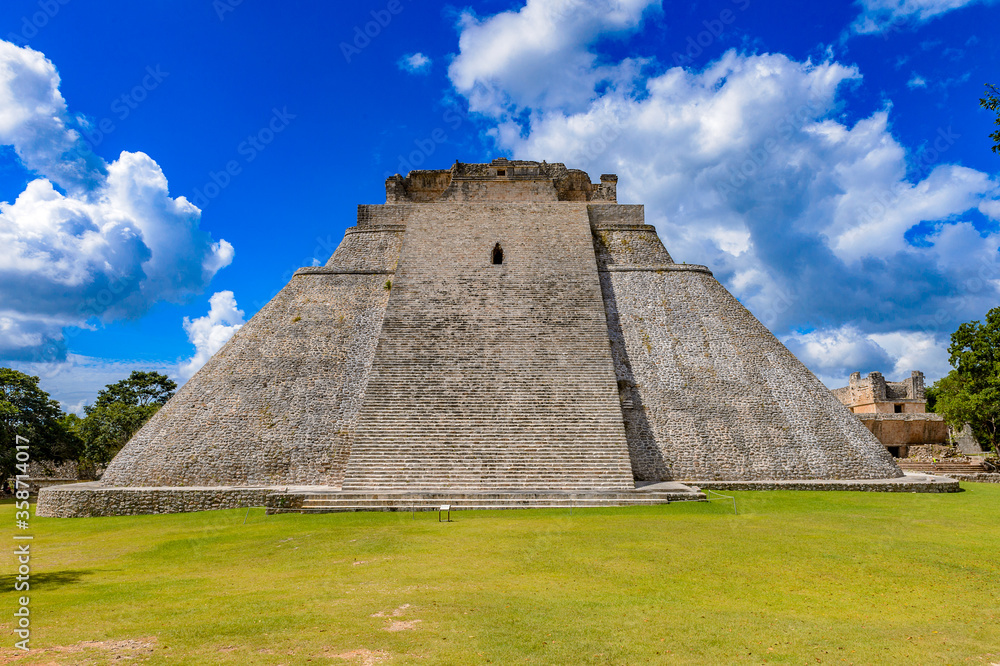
[95,500]
[493,375]
[277,404]
[906,484]
[966,441]
[707,391]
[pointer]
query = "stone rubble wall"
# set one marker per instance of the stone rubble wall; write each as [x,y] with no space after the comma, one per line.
[983,477]
[368,249]
[501,180]
[937,485]
[49,469]
[629,247]
[707,391]
[92,500]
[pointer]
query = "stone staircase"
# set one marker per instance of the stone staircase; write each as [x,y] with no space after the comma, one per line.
[940,468]
[518,464]
[334,502]
[493,376]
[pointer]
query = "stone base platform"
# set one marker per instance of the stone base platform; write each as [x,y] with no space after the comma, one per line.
[314,501]
[909,483]
[93,499]
[984,477]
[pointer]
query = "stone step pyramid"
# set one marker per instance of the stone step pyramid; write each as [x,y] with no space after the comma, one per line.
[501,326]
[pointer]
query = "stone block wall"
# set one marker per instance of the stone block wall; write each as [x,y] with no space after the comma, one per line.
[93,500]
[906,429]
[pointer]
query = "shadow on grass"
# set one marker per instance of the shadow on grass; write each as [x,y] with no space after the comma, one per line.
[50,580]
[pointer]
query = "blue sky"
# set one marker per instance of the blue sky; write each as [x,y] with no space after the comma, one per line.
[167,165]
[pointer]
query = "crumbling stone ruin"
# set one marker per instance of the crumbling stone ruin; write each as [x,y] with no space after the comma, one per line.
[496,327]
[874,395]
[896,413]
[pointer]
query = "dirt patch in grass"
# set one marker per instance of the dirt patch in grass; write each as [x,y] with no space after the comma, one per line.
[129,648]
[397,625]
[393,613]
[402,625]
[363,657]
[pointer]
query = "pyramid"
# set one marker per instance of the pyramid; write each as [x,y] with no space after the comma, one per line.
[501,327]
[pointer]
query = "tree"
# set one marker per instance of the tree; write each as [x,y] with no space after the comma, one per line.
[992,103]
[971,392]
[141,389]
[120,410]
[27,410]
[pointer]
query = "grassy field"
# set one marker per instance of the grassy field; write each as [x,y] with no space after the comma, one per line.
[797,577]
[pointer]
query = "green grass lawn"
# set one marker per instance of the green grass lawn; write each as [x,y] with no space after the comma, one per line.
[796,577]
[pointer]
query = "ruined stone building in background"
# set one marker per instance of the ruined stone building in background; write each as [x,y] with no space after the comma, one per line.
[896,413]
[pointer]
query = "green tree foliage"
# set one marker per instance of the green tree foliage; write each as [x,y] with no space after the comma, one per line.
[971,392]
[992,103]
[141,389]
[120,410]
[27,410]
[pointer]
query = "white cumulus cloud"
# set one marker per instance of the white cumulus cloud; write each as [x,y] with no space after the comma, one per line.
[208,334]
[747,165]
[86,240]
[539,55]
[415,63]
[833,354]
[881,15]
[34,119]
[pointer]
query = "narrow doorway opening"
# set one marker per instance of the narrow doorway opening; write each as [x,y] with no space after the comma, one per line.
[497,254]
[897,409]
